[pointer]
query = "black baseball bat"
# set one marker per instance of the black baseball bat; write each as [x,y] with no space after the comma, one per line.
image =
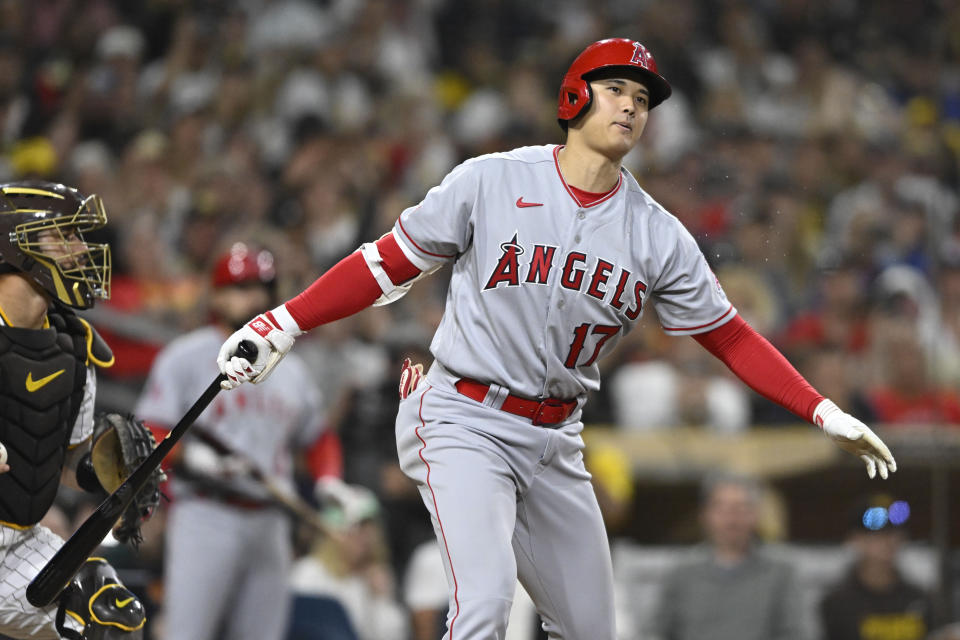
[60,569]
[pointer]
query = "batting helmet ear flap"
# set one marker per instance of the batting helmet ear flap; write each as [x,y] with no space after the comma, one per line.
[575,97]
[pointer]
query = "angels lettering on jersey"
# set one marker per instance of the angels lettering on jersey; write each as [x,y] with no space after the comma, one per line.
[593,276]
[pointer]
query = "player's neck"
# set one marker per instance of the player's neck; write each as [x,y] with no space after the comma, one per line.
[587,169]
[22,305]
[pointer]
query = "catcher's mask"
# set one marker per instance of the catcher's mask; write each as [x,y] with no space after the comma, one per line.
[41,234]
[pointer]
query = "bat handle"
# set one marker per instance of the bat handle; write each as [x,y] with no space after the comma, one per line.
[247,350]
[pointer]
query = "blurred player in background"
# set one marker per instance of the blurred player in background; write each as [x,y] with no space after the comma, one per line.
[874,601]
[228,547]
[556,252]
[48,360]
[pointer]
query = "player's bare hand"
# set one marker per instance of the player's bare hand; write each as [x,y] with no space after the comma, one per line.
[271,342]
[856,438]
[410,377]
[4,468]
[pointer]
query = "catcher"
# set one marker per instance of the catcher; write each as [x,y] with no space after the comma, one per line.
[48,356]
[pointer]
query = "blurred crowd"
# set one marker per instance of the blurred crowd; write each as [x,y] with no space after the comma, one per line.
[811,146]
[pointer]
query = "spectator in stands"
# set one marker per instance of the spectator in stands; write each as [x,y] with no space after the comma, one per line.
[874,601]
[730,589]
[690,387]
[905,394]
[352,566]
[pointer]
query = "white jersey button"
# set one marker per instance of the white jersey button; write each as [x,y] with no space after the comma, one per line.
[581,215]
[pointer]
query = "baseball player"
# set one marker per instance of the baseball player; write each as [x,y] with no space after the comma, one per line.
[556,252]
[48,356]
[228,554]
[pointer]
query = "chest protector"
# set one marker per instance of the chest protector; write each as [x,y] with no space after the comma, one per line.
[42,377]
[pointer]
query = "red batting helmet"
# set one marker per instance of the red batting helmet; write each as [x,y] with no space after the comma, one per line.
[619,53]
[243,264]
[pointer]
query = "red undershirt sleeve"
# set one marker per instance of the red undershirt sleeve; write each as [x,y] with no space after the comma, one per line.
[349,286]
[761,366]
[325,456]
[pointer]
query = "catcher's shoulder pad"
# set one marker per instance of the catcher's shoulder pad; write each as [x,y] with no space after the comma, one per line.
[98,352]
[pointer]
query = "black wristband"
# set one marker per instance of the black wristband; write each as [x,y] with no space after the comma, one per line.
[87,477]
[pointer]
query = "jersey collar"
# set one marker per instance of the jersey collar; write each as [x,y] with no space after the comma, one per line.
[556,164]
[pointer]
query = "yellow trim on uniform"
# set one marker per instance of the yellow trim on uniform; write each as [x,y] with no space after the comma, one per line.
[97,559]
[76,616]
[18,527]
[94,617]
[90,357]
[32,192]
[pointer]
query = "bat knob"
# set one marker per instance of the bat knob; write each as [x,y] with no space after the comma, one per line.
[247,350]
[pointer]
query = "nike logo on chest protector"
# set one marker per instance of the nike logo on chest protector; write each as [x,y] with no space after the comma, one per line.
[32,385]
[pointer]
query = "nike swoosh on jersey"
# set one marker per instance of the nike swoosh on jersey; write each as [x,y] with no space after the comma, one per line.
[524,205]
[33,385]
[122,603]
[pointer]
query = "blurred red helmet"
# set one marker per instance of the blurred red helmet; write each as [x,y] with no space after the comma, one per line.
[620,53]
[243,264]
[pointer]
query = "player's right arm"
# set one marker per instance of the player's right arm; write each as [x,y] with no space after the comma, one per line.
[350,286]
[424,238]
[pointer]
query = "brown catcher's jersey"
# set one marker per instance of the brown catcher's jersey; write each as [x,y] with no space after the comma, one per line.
[46,406]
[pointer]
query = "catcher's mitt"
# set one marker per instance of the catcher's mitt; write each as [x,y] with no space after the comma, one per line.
[120,444]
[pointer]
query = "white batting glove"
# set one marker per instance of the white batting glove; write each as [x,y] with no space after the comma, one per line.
[203,459]
[854,437]
[272,334]
[410,377]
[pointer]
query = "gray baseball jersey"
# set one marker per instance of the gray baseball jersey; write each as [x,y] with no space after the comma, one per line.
[209,543]
[542,288]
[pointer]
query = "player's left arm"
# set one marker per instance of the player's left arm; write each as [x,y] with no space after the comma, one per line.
[765,370]
[82,434]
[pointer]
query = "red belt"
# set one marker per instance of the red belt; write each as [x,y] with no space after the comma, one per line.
[540,412]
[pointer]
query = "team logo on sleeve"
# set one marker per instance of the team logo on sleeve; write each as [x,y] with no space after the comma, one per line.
[717,281]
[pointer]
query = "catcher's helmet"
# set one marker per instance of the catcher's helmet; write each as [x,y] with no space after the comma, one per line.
[41,234]
[619,53]
[243,265]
